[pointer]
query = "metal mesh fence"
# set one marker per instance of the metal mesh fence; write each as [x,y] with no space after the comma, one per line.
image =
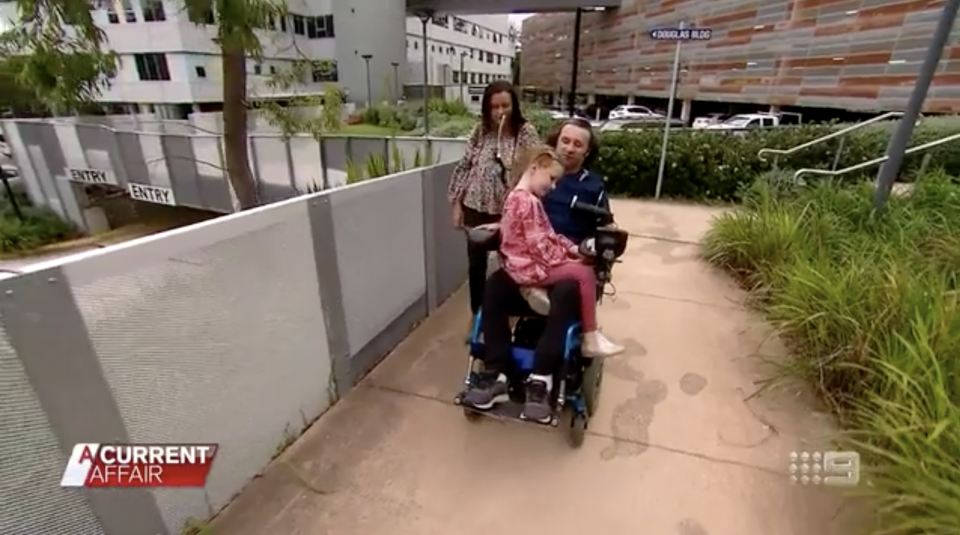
[31,463]
[222,344]
[212,334]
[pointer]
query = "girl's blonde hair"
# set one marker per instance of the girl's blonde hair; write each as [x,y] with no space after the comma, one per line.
[539,155]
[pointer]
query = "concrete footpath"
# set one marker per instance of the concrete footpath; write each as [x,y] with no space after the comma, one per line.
[678,447]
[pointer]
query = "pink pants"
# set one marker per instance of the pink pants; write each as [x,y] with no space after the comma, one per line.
[587,281]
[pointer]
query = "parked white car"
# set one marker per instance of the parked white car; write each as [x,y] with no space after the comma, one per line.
[707,120]
[745,121]
[632,112]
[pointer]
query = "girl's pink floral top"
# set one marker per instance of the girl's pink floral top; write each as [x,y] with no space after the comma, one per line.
[529,245]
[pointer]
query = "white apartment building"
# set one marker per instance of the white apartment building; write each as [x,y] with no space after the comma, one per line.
[479,46]
[170,65]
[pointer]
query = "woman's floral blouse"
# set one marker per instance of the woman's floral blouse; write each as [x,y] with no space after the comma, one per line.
[476,179]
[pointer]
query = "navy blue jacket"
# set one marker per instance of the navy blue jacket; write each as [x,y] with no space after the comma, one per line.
[585,186]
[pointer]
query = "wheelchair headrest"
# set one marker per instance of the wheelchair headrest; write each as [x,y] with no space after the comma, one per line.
[484,237]
[610,243]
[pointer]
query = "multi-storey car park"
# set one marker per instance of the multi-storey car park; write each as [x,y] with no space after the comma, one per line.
[857,55]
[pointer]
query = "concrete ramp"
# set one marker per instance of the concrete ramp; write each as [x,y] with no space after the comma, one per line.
[676,449]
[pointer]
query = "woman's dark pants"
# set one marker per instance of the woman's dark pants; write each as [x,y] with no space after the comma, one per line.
[477,257]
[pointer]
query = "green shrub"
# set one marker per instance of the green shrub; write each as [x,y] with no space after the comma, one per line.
[716,165]
[39,227]
[869,304]
[540,119]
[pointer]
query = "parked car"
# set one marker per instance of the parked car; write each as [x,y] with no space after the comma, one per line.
[749,121]
[746,121]
[632,112]
[707,120]
[619,125]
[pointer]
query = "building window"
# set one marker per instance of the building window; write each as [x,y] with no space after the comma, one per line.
[299,25]
[205,17]
[257,69]
[442,20]
[473,77]
[459,25]
[416,46]
[201,71]
[499,59]
[153,10]
[129,14]
[273,69]
[283,24]
[319,27]
[112,15]
[489,57]
[433,48]
[152,67]
[326,71]
[456,77]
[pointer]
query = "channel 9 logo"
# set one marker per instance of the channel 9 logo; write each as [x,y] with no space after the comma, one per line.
[830,468]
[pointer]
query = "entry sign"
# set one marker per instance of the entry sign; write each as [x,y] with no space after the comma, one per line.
[154,194]
[681,34]
[90,176]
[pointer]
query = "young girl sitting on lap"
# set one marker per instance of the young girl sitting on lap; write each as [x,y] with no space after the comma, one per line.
[536,257]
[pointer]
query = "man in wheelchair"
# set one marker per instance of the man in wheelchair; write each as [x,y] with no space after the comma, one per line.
[545,343]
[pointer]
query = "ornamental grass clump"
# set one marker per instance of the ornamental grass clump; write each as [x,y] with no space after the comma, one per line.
[868,303]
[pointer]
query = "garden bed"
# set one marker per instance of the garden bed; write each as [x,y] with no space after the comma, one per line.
[869,304]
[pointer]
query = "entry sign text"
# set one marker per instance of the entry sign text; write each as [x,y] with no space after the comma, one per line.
[684,34]
[89,176]
[154,194]
[831,468]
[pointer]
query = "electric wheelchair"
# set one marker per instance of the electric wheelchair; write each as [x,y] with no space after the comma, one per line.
[577,383]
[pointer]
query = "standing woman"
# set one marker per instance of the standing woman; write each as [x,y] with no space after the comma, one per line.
[484,175]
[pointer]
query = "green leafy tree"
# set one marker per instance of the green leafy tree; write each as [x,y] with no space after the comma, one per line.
[67,63]
[313,113]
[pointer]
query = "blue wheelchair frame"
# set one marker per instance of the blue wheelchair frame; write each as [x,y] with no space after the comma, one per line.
[523,358]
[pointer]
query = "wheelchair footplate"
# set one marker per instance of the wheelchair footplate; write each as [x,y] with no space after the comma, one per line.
[509,410]
[570,389]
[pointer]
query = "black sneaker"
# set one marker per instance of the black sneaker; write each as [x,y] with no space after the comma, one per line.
[537,406]
[489,391]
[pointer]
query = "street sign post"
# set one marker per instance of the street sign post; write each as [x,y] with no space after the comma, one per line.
[678,35]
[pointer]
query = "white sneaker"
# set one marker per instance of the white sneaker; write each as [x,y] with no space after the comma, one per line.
[537,298]
[596,345]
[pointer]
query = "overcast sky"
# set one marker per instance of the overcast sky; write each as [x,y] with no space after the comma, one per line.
[517,19]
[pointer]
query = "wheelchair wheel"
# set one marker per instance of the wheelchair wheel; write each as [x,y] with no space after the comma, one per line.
[590,385]
[578,429]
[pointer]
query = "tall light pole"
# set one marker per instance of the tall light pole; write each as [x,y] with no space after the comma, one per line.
[572,97]
[396,80]
[901,137]
[425,16]
[367,58]
[462,75]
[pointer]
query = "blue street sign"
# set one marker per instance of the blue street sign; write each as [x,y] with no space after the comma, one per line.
[684,34]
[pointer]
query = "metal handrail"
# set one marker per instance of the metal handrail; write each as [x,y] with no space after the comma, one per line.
[875,161]
[838,133]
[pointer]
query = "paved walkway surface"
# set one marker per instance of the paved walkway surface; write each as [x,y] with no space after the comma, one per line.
[677,447]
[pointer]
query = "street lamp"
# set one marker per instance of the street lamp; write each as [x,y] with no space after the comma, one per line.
[462,75]
[396,80]
[425,17]
[576,60]
[367,58]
